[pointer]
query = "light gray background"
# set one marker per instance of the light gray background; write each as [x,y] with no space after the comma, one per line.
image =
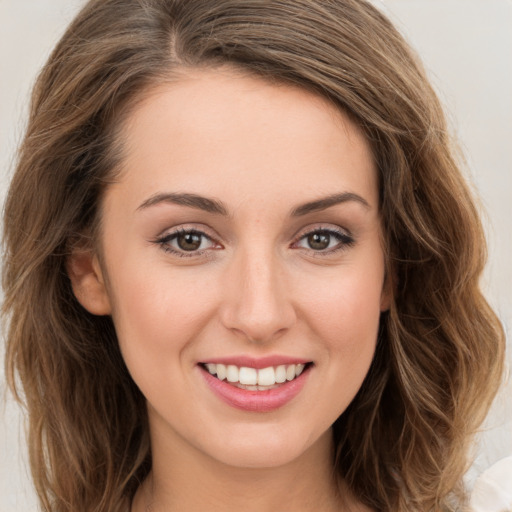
[467,48]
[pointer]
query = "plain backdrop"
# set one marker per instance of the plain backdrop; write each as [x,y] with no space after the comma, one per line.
[467,48]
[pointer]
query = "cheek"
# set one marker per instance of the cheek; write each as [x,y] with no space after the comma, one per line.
[156,314]
[344,315]
[154,295]
[346,304]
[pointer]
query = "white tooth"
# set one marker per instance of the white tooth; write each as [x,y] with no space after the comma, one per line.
[212,368]
[248,376]
[298,369]
[266,376]
[290,372]
[280,374]
[251,388]
[221,371]
[232,373]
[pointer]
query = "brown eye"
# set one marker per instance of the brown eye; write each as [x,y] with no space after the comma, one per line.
[325,241]
[186,243]
[319,240]
[189,241]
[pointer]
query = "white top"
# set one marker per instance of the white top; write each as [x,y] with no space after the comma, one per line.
[493,488]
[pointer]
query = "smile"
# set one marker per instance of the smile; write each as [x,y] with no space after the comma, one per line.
[254,379]
[263,389]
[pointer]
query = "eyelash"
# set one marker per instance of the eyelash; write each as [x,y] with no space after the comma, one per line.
[169,237]
[344,241]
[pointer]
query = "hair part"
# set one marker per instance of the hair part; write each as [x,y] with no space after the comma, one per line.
[439,357]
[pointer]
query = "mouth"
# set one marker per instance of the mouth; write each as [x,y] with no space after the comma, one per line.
[255,379]
[262,389]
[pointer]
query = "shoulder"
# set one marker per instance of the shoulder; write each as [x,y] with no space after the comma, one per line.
[493,488]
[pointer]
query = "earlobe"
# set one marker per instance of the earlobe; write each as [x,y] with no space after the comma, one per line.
[88,282]
[385,301]
[387,293]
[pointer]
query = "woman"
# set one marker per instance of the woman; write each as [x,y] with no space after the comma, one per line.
[241,266]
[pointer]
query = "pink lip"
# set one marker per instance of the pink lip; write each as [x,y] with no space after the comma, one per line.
[255,401]
[260,362]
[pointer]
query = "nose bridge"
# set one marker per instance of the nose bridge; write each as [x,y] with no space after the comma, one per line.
[258,305]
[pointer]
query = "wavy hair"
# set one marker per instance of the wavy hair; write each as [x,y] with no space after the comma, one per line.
[439,355]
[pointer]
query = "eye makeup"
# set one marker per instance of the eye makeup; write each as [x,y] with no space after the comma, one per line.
[186,243]
[193,242]
[324,241]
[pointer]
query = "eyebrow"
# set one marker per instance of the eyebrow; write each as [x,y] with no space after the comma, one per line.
[190,200]
[327,202]
[215,206]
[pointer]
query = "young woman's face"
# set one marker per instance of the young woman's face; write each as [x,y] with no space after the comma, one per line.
[242,239]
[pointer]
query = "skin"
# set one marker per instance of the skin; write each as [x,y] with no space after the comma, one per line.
[256,287]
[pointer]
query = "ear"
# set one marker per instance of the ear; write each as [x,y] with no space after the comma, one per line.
[386,295]
[88,283]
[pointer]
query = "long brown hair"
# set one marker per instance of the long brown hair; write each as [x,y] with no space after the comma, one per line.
[402,443]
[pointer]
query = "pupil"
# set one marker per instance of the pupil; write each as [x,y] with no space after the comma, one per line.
[319,241]
[189,241]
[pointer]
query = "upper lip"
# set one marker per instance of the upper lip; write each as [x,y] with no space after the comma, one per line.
[256,362]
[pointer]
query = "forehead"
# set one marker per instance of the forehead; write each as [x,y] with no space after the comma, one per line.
[220,132]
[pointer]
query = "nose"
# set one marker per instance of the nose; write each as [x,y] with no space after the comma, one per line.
[257,304]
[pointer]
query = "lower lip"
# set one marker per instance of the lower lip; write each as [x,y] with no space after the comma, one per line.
[256,401]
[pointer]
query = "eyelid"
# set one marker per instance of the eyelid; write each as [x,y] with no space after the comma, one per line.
[164,239]
[322,226]
[343,235]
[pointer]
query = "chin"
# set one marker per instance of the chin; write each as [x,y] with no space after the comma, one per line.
[267,451]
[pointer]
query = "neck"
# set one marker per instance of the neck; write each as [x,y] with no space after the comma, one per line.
[185,480]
